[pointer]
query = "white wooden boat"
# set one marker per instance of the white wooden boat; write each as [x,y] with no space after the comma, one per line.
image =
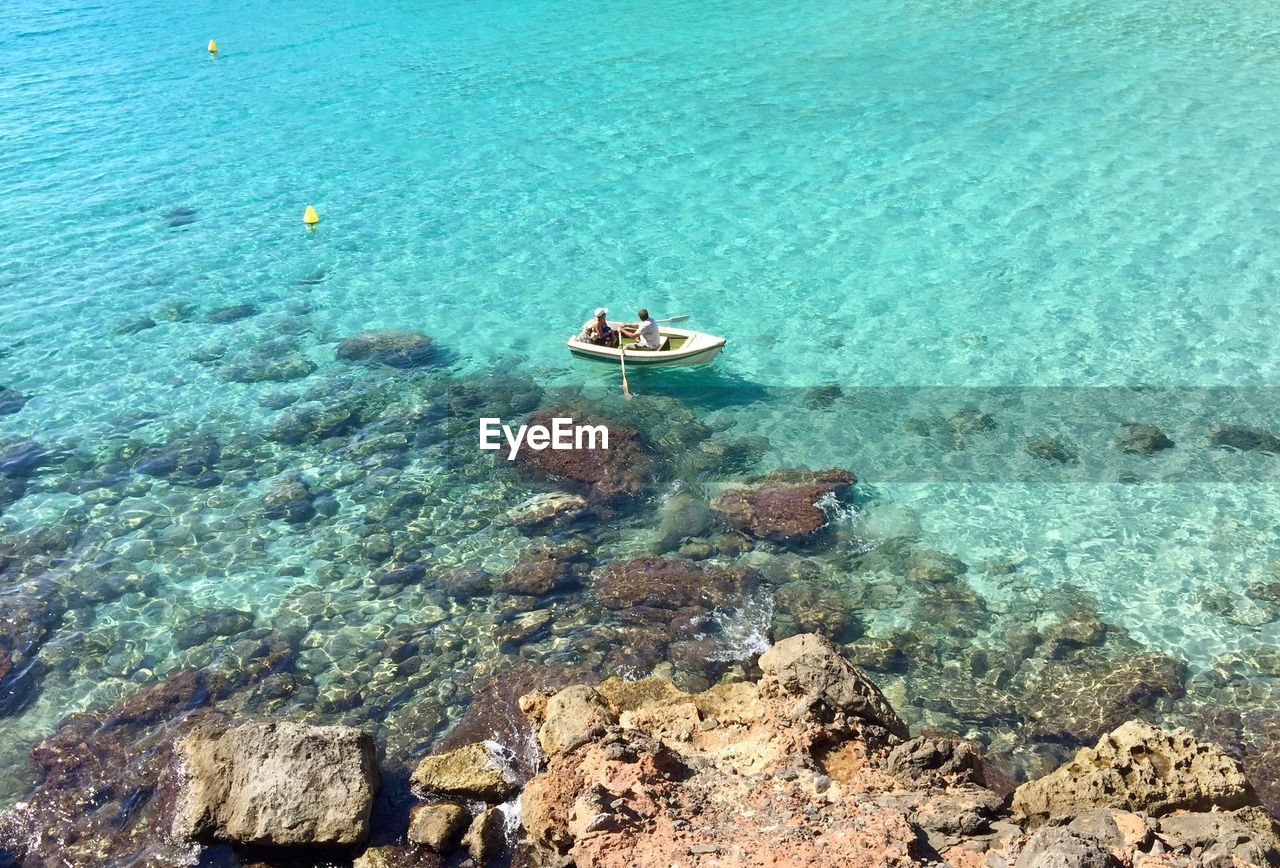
[679,347]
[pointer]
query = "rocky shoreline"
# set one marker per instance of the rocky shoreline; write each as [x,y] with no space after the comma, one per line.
[807,764]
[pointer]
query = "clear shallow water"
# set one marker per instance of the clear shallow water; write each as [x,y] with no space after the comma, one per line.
[954,194]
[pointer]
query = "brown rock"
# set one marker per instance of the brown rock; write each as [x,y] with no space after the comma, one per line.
[437,825]
[782,507]
[669,583]
[1137,768]
[486,836]
[600,475]
[547,511]
[570,716]
[808,668]
[276,784]
[475,771]
[398,348]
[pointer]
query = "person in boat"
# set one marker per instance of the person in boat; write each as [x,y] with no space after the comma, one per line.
[598,331]
[646,332]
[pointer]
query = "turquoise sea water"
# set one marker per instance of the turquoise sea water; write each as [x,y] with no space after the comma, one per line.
[1049,199]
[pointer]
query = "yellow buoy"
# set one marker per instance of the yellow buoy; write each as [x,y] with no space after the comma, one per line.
[310,217]
[213,47]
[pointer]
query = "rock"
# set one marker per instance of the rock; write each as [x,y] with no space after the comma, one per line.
[1137,768]
[670,583]
[1121,832]
[437,826]
[19,459]
[255,368]
[397,856]
[936,762]
[965,423]
[133,326]
[822,396]
[1249,836]
[544,512]
[523,628]
[543,570]
[231,313]
[476,771]
[808,669]
[1064,848]
[486,837]
[276,784]
[174,310]
[621,472]
[929,567]
[26,622]
[1139,439]
[1244,438]
[1051,449]
[184,456]
[1073,698]
[570,716]
[10,401]
[289,500]
[782,507]
[1083,629]
[180,216]
[462,583]
[815,607]
[683,516]
[222,621]
[396,348]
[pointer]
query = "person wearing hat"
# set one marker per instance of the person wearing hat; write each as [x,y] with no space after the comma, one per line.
[597,330]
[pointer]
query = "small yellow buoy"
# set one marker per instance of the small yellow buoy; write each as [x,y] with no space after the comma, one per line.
[310,217]
[213,47]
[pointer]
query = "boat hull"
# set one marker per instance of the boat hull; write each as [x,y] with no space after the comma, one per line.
[688,348]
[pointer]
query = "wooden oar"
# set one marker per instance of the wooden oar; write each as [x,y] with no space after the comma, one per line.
[622,351]
[681,318]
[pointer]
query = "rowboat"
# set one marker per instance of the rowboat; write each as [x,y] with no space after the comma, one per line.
[679,347]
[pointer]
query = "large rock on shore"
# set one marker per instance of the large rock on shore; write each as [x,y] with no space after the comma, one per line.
[1138,768]
[782,507]
[276,784]
[808,670]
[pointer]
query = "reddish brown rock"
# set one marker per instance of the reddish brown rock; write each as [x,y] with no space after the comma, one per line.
[670,583]
[781,507]
[622,471]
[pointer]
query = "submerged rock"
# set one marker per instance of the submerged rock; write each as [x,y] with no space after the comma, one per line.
[276,784]
[290,500]
[396,348]
[133,326]
[670,583]
[547,511]
[1051,449]
[782,507]
[622,471]
[1139,439]
[180,216]
[230,313]
[1138,768]
[1244,438]
[11,400]
[25,624]
[268,367]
